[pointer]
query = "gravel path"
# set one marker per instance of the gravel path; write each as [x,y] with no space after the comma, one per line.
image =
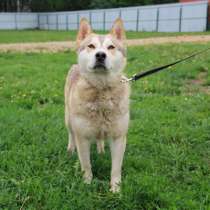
[66,45]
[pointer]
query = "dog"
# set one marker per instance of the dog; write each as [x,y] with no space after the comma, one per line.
[96,101]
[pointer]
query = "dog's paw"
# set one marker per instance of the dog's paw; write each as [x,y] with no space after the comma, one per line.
[115,188]
[88,178]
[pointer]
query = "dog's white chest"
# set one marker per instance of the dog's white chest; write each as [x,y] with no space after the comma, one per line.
[100,113]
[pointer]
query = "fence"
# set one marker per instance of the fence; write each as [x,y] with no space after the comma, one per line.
[19,20]
[177,17]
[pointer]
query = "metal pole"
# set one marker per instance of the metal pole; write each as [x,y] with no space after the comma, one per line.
[48,22]
[16,25]
[57,22]
[67,22]
[157,20]
[180,19]
[38,21]
[77,20]
[137,20]
[90,17]
[104,20]
[208,17]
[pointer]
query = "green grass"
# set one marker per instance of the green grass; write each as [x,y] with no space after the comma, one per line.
[167,160]
[9,36]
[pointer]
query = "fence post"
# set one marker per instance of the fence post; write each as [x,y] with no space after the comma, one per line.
[180,19]
[57,22]
[67,22]
[120,13]
[157,20]
[38,21]
[16,25]
[208,17]
[137,20]
[77,20]
[90,17]
[47,21]
[104,20]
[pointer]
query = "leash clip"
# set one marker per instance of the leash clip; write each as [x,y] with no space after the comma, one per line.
[125,79]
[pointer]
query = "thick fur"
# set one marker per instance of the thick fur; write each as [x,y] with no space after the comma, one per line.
[96,101]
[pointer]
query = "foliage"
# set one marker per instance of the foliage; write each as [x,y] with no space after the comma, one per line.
[68,5]
[123,3]
[59,5]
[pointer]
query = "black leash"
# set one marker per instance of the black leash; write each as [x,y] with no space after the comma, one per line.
[138,76]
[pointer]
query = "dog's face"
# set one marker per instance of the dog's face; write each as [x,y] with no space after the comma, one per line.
[101,54]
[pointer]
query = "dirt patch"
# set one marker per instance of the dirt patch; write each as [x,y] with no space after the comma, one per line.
[174,39]
[200,79]
[198,84]
[37,47]
[66,45]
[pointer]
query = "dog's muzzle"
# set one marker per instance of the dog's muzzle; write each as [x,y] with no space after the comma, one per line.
[100,60]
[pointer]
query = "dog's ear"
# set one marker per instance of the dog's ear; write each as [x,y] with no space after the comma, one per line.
[118,30]
[84,30]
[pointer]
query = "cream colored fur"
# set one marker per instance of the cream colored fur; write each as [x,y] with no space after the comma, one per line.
[97,104]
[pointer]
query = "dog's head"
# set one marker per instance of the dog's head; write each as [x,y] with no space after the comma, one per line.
[101,54]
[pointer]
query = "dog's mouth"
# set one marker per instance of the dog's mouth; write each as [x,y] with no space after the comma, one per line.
[100,66]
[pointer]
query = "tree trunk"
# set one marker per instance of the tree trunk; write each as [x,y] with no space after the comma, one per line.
[18,6]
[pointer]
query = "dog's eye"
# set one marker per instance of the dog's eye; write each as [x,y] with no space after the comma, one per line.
[91,46]
[111,47]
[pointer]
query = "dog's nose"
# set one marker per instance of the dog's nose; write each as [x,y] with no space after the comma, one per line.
[100,56]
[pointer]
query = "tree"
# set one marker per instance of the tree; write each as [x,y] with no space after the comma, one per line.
[69,5]
[99,4]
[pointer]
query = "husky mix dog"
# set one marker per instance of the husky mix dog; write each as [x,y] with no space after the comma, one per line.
[96,101]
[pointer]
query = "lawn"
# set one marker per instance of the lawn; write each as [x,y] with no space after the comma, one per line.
[10,36]
[167,160]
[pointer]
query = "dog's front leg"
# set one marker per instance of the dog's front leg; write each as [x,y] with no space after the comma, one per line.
[83,149]
[117,147]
